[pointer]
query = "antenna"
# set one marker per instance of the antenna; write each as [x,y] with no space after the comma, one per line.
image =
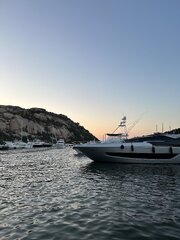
[135,123]
[156,128]
[122,124]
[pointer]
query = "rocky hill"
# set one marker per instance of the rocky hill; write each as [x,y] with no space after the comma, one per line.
[37,123]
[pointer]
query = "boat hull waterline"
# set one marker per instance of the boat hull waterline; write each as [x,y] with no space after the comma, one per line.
[130,153]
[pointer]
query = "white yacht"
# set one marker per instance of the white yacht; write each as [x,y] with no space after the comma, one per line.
[123,151]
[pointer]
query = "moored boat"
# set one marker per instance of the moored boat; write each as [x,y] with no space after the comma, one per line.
[137,152]
[123,151]
[40,144]
[60,144]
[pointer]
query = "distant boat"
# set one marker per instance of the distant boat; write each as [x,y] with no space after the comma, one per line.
[60,144]
[121,150]
[23,145]
[3,147]
[15,145]
[40,144]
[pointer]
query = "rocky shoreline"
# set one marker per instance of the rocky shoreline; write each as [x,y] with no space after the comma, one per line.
[36,123]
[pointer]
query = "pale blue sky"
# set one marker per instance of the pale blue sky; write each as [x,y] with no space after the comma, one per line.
[93,60]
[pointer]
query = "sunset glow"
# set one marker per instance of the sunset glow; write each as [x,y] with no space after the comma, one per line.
[93,61]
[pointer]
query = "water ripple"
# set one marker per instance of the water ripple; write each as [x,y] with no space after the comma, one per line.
[55,195]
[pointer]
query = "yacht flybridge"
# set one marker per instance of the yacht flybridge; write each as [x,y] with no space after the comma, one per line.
[112,137]
[121,150]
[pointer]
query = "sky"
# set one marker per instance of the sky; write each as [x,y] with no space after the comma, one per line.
[94,61]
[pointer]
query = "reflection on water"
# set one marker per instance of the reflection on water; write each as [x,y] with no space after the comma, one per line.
[55,195]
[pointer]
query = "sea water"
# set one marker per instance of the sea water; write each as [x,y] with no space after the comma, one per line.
[55,194]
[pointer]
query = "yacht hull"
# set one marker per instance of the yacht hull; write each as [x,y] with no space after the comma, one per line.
[131,153]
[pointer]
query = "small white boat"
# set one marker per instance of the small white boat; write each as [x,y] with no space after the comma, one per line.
[122,151]
[60,144]
[23,145]
[15,145]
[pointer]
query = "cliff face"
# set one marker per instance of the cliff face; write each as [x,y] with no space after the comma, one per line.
[37,123]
